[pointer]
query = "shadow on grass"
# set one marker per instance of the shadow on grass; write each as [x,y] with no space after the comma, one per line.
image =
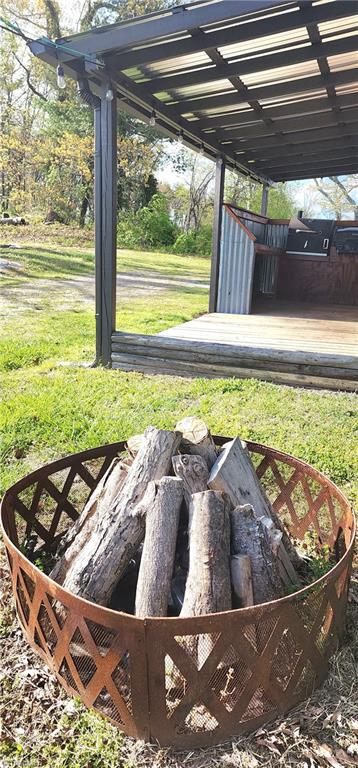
[57,263]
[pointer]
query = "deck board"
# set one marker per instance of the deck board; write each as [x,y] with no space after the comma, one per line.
[296,327]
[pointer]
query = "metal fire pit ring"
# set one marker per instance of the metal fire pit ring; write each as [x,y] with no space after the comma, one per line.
[255,663]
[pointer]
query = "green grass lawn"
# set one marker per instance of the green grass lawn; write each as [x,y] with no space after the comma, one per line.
[45,335]
[50,409]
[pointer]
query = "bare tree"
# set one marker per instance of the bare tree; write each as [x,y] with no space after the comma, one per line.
[339,194]
[199,199]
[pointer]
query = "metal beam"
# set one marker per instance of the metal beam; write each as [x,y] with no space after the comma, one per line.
[337,155]
[315,173]
[286,112]
[295,138]
[274,24]
[216,243]
[348,141]
[307,123]
[164,24]
[344,165]
[232,98]
[207,74]
[108,220]
[98,230]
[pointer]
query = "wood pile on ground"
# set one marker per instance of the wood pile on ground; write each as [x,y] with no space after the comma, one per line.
[178,526]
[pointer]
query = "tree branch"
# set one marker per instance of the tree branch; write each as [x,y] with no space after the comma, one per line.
[349,199]
[52,18]
[29,83]
[88,17]
[327,196]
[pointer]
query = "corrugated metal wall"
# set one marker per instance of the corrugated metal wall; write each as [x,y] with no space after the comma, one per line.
[238,273]
[276,235]
[266,273]
[236,268]
[256,228]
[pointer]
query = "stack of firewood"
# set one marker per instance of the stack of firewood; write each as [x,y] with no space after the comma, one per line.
[178,527]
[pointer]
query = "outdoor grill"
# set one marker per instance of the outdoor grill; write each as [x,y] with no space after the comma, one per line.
[259,661]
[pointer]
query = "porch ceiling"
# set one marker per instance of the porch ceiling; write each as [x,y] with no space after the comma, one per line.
[270,85]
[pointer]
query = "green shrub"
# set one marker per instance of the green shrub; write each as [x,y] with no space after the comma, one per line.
[128,231]
[194,242]
[185,243]
[150,227]
[203,240]
[155,224]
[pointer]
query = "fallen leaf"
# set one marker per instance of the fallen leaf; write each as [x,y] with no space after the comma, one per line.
[323,751]
[345,758]
[267,743]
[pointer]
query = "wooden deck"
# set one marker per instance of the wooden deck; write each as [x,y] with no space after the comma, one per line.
[300,327]
[301,344]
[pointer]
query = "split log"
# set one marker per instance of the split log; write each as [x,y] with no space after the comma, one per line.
[116,535]
[234,474]
[193,471]
[197,439]
[208,587]
[250,537]
[241,579]
[157,563]
[102,499]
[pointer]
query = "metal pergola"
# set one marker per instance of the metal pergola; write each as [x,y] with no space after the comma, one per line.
[267,88]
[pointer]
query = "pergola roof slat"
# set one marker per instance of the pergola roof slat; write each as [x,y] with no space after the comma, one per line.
[307,123]
[239,68]
[234,34]
[295,139]
[304,85]
[346,153]
[307,109]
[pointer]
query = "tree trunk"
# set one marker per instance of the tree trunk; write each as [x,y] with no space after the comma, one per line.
[197,439]
[250,537]
[234,474]
[241,579]
[118,532]
[157,563]
[83,211]
[208,587]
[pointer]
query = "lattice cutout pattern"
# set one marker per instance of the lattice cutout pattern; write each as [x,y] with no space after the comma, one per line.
[244,668]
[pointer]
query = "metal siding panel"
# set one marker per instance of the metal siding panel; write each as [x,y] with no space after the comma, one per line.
[256,228]
[276,235]
[236,268]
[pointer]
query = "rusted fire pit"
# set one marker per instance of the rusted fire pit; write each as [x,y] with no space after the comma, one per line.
[278,652]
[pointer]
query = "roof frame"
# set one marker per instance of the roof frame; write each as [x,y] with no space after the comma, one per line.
[269,116]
